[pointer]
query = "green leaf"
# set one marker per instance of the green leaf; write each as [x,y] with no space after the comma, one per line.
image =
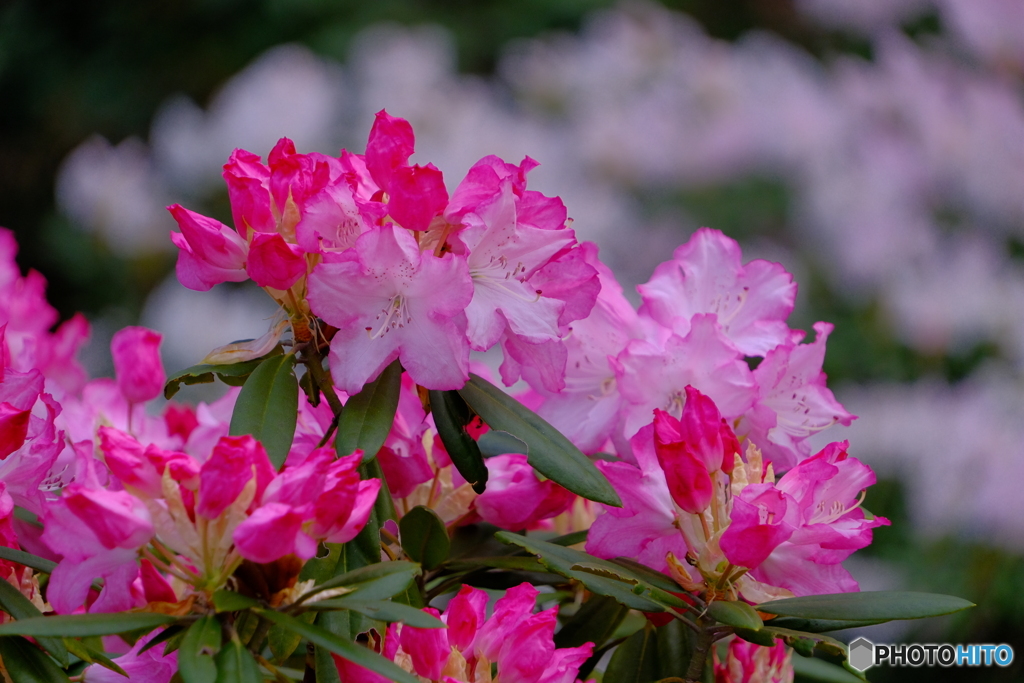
[523,564]
[343,648]
[424,537]
[758,637]
[230,601]
[20,607]
[571,538]
[195,656]
[235,664]
[451,415]
[374,581]
[267,407]
[594,622]
[80,625]
[87,654]
[548,451]
[283,642]
[634,661]
[646,573]
[867,606]
[163,636]
[25,663]
[820,670]
[233,374]
[676,643]
[564,560]
[804,642]
[368,416]
[382,610]
[820,625]
[738,614]
[326,669]
[497,442]
[28,559]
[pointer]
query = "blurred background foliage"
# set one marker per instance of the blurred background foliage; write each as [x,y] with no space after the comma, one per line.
[71,70]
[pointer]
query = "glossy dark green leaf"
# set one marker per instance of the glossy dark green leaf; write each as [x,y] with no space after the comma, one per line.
[87,654]
[563,560]
[571,538]
[267,407]
[548,451]
[676,643]
[343,648]
[496,442]
[820,670]
[820,625]
[163,636]
[382,610]
[735,613]
[233,374]
[867,606]
[81,625]
[646,573]
[35,562]
[20,607]
[283,642]
[326,669]
[424,537]
[201,643]
[235,664]
[804,641]
[373,581]
[634,661]
[758,636]
[368,416]
[230,601]
[26,663]
[594,622]
[523,564]
[451,415]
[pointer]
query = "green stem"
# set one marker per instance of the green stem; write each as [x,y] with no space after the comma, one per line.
[315,366]
[259,635]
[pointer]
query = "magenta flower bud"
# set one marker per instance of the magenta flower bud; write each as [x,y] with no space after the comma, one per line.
[417,195]
[137,365]
[390,145]
[273,262]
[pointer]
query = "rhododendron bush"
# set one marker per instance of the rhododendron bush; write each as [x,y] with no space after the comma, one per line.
[366,504]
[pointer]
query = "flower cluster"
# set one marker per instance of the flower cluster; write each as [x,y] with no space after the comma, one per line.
[244,547]
[393,266]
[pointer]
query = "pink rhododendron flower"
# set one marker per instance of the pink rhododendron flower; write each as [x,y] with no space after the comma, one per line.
[706,275]
[389,300]
[151,666]
[209,252]
[516,641]
[749,663]
[515,498]
[137,365]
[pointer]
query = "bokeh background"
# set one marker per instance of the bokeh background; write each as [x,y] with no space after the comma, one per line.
[874,147]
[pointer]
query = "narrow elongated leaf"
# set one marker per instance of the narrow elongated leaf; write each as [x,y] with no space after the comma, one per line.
[646,573]
[676,643]
[230,601]
[283,642]
[563,560]
[594,622]
[267,407]
[235,664]
[738,614]
[548,451]
[804,642]
[524,564]
[497,442]
[373,580]
[382,610]
[87,654]
[20,607]
[343,648]
[820,625]
[35,562]
[25,663]
[368,416]
[451,415]
[233,374]
[81,625]
[326,669]
[635,661]
[820,670]
[195,656]
[424,537]
[867,606]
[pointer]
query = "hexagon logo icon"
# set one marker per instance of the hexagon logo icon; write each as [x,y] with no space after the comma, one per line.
[862,654]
